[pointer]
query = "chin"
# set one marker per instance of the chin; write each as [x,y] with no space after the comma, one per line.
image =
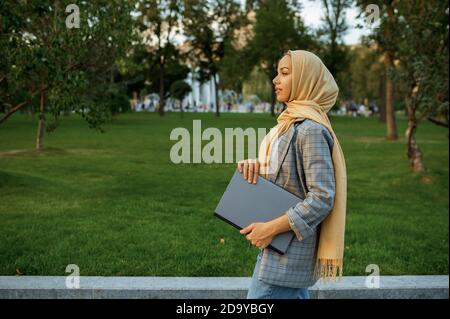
[279,98]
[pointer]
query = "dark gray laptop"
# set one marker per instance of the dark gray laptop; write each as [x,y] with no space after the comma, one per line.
[244,203]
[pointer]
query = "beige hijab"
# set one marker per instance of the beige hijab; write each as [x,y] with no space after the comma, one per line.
[313,93]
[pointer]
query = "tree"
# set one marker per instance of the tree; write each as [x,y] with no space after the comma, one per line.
[413,36]
[160,22]
[236,65]
[331,32]
[278,28]
[209,26]
[363,76]
[178,91]
[257,84]
[141,69]
[385,36]
[423,65]
[63,69]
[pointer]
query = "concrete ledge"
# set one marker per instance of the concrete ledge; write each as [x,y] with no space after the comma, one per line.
[53,287]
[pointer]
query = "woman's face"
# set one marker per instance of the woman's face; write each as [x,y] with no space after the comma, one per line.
[283,81]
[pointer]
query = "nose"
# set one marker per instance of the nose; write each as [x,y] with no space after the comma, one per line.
[274,80]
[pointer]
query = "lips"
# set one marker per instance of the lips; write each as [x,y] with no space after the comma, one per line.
[277,91]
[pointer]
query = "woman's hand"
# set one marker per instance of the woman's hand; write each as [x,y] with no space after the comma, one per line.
[250,169]
[261,234]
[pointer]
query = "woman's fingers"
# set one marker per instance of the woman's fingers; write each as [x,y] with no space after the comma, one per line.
[253,171]
[245,169]
[240,165]
[247,229]
[255,176]
[250,169]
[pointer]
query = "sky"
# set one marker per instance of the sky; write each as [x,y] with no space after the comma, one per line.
[312,13]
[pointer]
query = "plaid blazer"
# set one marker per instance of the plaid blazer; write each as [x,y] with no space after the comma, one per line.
[305,168]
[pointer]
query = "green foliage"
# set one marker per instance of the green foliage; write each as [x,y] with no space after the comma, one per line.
[141,70]
[179,89]
[117,99]
[417,35]
[421,36]
[235,67]
[257,84]
[279,27]
[155,55]
[209,27]
[363,77]
[331,48]
[72,65]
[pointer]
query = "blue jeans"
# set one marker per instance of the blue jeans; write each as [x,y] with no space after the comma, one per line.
[261,290]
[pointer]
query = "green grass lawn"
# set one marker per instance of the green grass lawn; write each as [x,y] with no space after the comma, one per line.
[114,203]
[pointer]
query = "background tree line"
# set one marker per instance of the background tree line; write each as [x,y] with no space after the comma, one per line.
[125,46]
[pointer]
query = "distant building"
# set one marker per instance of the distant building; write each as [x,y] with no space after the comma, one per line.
[202,95]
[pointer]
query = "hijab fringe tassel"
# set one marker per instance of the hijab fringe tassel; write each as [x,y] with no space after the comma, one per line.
[326,270]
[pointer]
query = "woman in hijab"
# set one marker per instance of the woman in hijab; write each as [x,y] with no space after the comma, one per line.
[301,154]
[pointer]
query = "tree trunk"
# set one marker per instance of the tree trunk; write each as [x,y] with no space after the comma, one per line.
[41,123]
[382,94]
[388,62]
[216,92]
[413,151]
[181,107]
[161,89]
[390,112]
